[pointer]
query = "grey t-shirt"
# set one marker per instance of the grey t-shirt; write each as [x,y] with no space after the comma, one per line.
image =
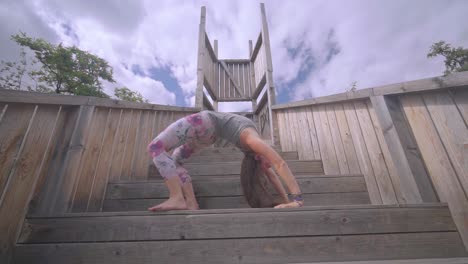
[229,126]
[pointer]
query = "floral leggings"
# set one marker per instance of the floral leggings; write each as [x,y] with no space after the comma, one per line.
[185,136]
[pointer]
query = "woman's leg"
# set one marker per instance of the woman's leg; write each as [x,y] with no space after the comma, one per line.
[167,166]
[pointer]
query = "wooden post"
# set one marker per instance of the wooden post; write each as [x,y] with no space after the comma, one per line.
[409,188]
[269,75]
[215,101]
[201,54]
[252,78]
[63,194]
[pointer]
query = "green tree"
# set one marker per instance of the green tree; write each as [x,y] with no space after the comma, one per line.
[68,70]
[123,93]
[456,59]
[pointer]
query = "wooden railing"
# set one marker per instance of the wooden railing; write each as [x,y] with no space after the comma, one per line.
[234,80]
[409,140]
[59,152]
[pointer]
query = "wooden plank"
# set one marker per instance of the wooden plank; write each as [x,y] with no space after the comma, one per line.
[392,170]
[304,132]
[4,108]
[452,132]
[400,171]
[337,141]
[375,154]
[103,166]
[406,137]
[141,163]
[282,132]
[242,210]
[242,225]
[347,139]
[24,175]
[295,128]
[460,96]
[232,187]
[13,129]
[232,79]
[129,150]
[119,145]
[313,133]
[226,168]
[437,161]
[200,58]
[72,160]
[249,250]
[237,156]
[218,202]
[406,261]
[86,174]
[266,39]
[362,154]
[50,189]
[291,133]
[327,150]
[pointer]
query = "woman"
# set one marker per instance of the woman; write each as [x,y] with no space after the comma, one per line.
[192,133]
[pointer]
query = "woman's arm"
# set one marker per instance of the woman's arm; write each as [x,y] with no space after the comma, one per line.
[277,184]
[255,143]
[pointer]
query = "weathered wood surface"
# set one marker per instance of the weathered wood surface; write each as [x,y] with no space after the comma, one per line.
[250,250]
[436,157]
[377,160]
[241,225]
[231,187]
[235,156]
[219,202]
[412,153]
[402,177]
[228,168]
[403,261]
[362,153]
[348,138]
[31,151]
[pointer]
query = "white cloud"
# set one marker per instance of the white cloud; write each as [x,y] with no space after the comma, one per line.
[379,42]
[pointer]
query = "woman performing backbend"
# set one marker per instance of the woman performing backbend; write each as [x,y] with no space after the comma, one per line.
[192,133]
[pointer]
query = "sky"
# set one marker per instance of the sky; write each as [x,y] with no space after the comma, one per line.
[318,47]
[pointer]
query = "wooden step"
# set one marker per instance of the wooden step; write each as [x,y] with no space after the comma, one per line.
[243,236]
[230,186]
[236,156]
[230,168]
[227,150]
[402,261]
[220,202]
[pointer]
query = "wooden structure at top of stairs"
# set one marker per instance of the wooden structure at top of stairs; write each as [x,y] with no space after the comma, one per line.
[383,170]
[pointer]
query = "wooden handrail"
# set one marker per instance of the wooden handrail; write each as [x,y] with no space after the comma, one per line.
[14,96]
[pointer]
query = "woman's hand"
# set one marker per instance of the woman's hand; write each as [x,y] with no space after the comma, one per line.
[294,204]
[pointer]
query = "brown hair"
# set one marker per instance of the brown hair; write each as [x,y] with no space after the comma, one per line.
[256,186]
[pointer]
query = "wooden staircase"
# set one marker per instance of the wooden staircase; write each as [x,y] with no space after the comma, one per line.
[338,224]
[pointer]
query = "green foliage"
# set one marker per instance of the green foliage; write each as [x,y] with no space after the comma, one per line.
[456,59]
[12,75]
[68,69]
[126,94]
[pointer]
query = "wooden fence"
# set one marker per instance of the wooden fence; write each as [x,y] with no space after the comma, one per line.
[409,140]
[59,152]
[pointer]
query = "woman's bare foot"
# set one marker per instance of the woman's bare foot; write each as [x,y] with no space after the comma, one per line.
[192,205]
[170,204]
